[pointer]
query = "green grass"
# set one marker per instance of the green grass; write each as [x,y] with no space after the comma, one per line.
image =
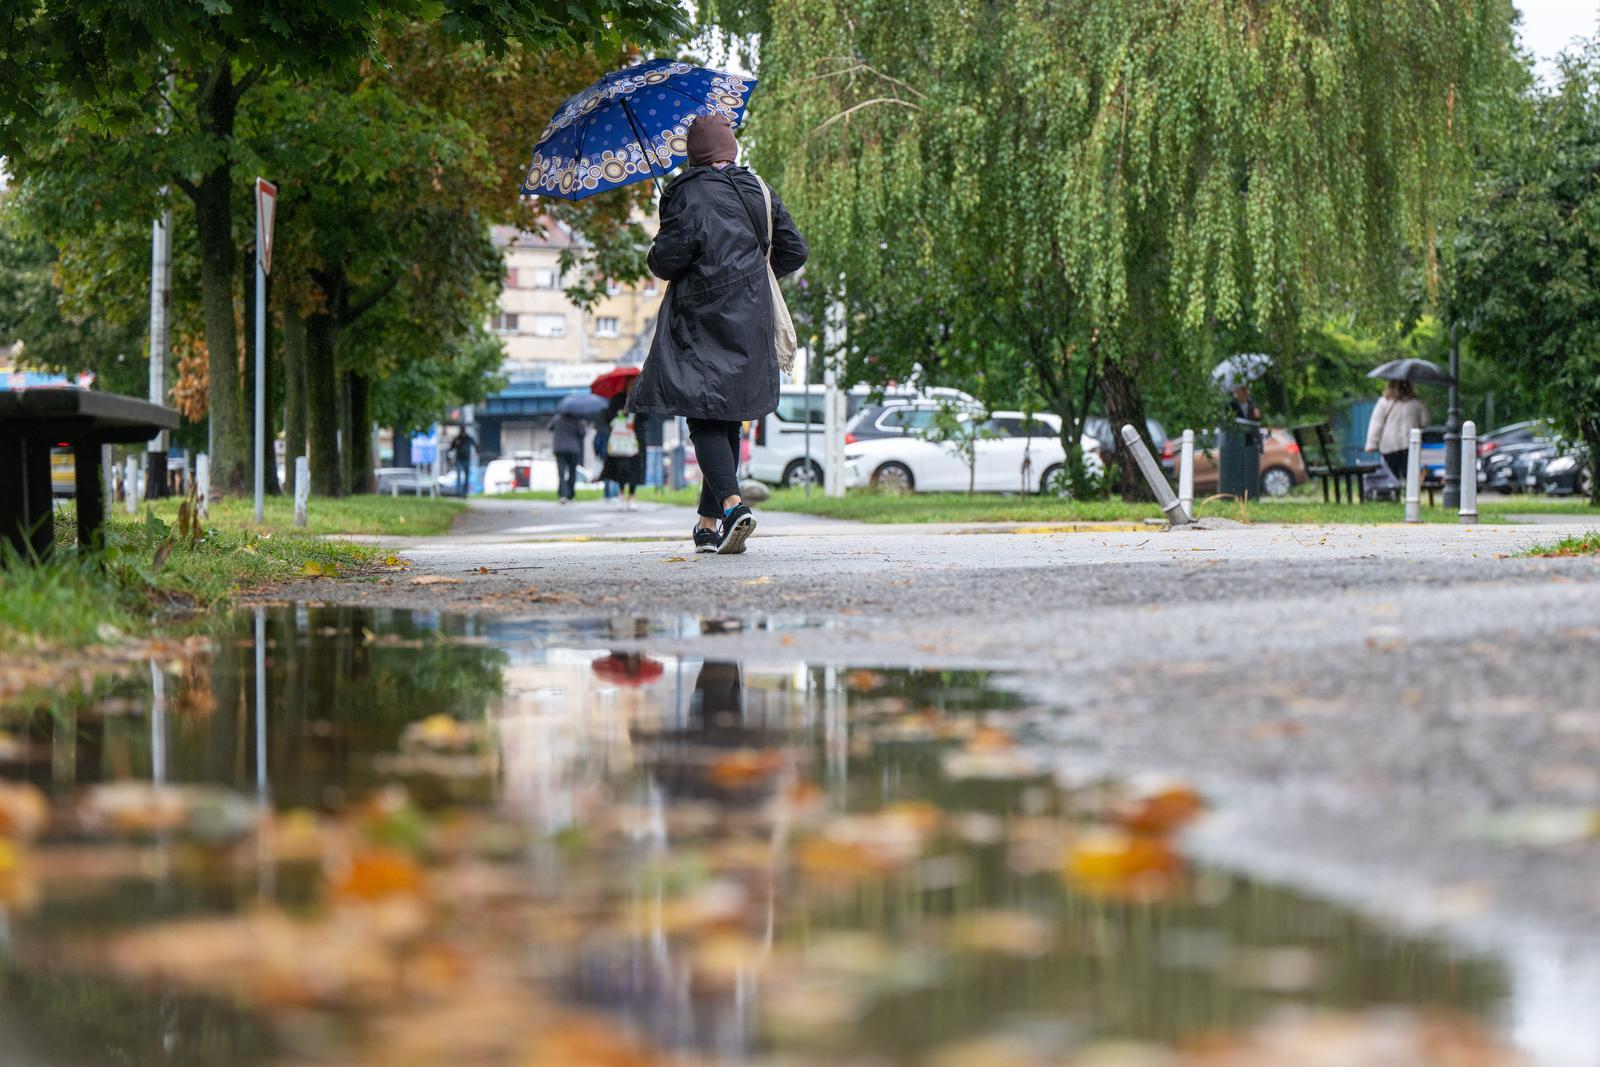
[1587,545]
[146,578]
[366,515]
[957,507]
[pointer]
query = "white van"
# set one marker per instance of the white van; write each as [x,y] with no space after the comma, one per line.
[778,456]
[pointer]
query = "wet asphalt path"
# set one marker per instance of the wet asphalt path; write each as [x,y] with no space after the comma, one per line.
[1361,703]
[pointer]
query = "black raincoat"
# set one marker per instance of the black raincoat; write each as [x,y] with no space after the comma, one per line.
[713,355]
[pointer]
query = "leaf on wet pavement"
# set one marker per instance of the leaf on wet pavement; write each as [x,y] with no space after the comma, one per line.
[24,810]
[435,579]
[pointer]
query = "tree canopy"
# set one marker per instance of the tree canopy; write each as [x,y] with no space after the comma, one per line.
[1089,199]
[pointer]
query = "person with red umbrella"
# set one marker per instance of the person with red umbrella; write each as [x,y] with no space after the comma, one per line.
[714,358]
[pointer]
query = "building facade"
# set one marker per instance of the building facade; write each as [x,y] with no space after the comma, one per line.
[553,347]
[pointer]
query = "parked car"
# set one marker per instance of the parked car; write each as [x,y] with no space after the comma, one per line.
[1016,454]
[526,471]
[1517,433]
[1508,467]
[778,454]
[897,416]
[1282,467]
[1569,474]
[1110,441]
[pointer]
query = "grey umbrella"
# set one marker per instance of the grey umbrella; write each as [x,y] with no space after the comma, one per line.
[1240,369]
[1411,370]
[582,404]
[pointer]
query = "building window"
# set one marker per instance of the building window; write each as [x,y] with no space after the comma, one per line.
[612,288]
[607,326]
[549,325]
[650,287]
[505,322]
[547,278]
[511,278]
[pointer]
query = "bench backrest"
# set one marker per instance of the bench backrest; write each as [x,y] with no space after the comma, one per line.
[1316,445]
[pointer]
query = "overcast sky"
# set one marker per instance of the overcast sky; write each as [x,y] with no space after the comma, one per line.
[1548,26]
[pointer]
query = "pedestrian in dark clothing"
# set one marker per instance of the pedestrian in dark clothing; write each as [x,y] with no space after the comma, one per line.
[461,455]
[713,359]
[567,431]
[624,462]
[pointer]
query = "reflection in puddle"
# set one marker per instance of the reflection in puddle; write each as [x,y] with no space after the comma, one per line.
[463,841]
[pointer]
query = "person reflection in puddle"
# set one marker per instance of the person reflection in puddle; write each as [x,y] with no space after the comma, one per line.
[717,753]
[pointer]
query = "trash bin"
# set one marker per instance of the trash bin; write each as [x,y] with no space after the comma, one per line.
[1239,462]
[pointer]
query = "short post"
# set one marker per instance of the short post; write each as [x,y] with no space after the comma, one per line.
[1414,477]
[1170,505]
[1186,473]
[130,485]
[108,477]
[183,476]
[1469,473]
[202,485]
[302,488]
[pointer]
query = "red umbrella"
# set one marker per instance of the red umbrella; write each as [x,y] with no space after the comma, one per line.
[613,381]
[628,668]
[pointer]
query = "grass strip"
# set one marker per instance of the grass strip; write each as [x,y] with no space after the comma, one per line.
[147,576]
[367,515]
[1568,547]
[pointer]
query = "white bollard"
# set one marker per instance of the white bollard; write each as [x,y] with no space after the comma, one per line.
[1414,477]
[202,484]
[302,488]
[1186,473]
[1469,473]
[1153,476]
[130,485]
[108,479]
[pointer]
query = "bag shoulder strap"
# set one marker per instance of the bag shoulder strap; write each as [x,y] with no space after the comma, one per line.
[765,195]
[766,198]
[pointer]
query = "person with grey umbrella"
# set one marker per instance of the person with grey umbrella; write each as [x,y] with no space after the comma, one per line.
[567,432]
[1399,411]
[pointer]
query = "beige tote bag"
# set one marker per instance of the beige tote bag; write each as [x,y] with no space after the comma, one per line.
[782,323]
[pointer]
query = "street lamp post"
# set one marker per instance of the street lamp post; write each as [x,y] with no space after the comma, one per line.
[1452,429]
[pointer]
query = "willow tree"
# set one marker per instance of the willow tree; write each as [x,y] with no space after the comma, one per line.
[1093,193]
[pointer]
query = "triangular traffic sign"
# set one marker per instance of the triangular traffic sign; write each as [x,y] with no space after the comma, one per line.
[266,207]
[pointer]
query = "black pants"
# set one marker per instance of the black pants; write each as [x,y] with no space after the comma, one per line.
[566,474]
[1397,464]
[716,447]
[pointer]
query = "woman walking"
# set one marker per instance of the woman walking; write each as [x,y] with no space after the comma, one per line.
[1389,431]
[567,432]
[624,462]
[713,359]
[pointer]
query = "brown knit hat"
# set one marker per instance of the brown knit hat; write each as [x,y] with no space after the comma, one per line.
[711,141]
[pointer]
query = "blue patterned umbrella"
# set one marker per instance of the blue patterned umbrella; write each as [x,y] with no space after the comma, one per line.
[630,126]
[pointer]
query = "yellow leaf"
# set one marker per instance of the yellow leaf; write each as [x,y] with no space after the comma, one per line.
[676,559]
[312,569]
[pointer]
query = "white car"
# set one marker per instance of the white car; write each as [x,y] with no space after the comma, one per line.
[778,456]
[1015,454]
[524,471]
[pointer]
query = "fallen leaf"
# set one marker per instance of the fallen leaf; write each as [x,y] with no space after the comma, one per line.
[676,559]
[24,811]
[435,579]
[765,579]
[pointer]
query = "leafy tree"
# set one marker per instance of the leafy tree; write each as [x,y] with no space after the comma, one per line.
[1086,198]
[168,79]
[960,432]
[1525,259]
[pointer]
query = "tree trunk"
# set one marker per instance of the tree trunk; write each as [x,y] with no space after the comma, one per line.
[322,406]
[294,391]
[1591,438]
[360,449]
[213,211]
[273,487]
[1119,387]
[402,447]
[346,474]
[1071,406]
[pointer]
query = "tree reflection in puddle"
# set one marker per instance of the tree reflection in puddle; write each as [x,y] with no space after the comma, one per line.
[445,840]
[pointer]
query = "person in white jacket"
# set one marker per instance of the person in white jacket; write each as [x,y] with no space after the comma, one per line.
[1389,433]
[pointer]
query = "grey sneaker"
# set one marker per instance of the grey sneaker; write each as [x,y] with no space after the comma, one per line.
[737,526]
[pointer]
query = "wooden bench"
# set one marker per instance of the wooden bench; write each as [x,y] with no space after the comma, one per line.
[1317,453]
[32,422]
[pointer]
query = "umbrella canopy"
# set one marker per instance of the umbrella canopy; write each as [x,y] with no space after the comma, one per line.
[1411,370]
[630,126]
[613,381]
[582,404]
[1240,370]
[628,668]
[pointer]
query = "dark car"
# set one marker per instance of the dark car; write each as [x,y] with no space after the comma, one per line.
[897,417]
[1517,433]
[1569,474]
[1507,467]
[1099,428]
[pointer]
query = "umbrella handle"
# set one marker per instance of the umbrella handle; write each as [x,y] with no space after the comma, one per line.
[644,150]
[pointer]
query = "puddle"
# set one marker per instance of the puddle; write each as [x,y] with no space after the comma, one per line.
[382,837]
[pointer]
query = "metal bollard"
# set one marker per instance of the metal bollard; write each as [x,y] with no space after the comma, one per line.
[302,488]
[1414,477]
[1469,473]
[130,485]
[1186,474]
[1157,481]
[108,476]
[202,485]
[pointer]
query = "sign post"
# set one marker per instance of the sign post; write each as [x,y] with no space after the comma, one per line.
[266,205]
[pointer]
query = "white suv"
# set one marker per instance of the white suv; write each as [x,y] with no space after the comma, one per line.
[779,454]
